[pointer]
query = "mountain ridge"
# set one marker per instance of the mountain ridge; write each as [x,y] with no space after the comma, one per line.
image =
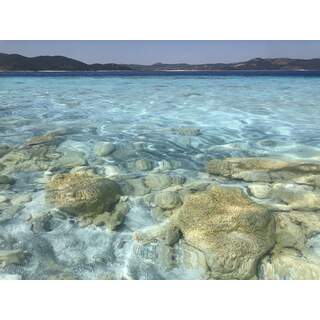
[17,62]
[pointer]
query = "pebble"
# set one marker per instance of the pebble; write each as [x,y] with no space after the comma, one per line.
[143,165]
[110,171]
[260,191]
[71,159]
[104,148]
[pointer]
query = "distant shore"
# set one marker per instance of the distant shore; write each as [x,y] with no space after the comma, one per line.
[18,63]
[161,70]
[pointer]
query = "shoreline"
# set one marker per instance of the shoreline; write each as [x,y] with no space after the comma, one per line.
[166,70]
[140,73]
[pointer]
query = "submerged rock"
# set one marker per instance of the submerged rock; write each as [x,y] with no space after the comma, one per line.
[167,199]
[157,181]
[111,171]
[49,139]
[162,181]
[143,165]
[261,169]
[295,228]
[188,131]
[35,157]
[112,219]
[310,180]
[308,221]
[288,233]
[296,196]
[83,169]
[71,159]
[8,257]
[232,231]
[164,165]
[193,259]
[136,187]
[80,193]
[288,264]
[260,191]
[103,149]
[230,166]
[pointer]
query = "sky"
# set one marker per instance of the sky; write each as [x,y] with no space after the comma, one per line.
[149,52]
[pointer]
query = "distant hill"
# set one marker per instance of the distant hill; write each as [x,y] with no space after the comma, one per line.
[253,64]
[16,62]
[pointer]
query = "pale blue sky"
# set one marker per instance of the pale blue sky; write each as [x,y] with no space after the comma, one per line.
[149,52]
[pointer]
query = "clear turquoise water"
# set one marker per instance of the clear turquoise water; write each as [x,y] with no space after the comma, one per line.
[237,116]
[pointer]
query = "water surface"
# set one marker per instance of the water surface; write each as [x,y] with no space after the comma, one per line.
[238,115]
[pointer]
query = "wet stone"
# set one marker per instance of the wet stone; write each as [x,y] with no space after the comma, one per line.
[37,157]
[83,169]
[167,199]
[288,264]
[45,139]
[296,196]
[111,171]
[233,237]
[164,165]
[8,257]
[80,193]
[193,259]
[114,218]
[136,187]
[161,181]
[71,159]
[288,233]
[143,165]
[260,191]
[103,149]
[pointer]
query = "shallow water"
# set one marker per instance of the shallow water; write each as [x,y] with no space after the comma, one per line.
[238,116]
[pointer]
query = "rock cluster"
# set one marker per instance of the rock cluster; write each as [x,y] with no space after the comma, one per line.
[267,226]
[291,190]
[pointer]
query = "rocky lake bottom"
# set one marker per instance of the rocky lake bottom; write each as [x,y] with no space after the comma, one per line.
[176,177]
